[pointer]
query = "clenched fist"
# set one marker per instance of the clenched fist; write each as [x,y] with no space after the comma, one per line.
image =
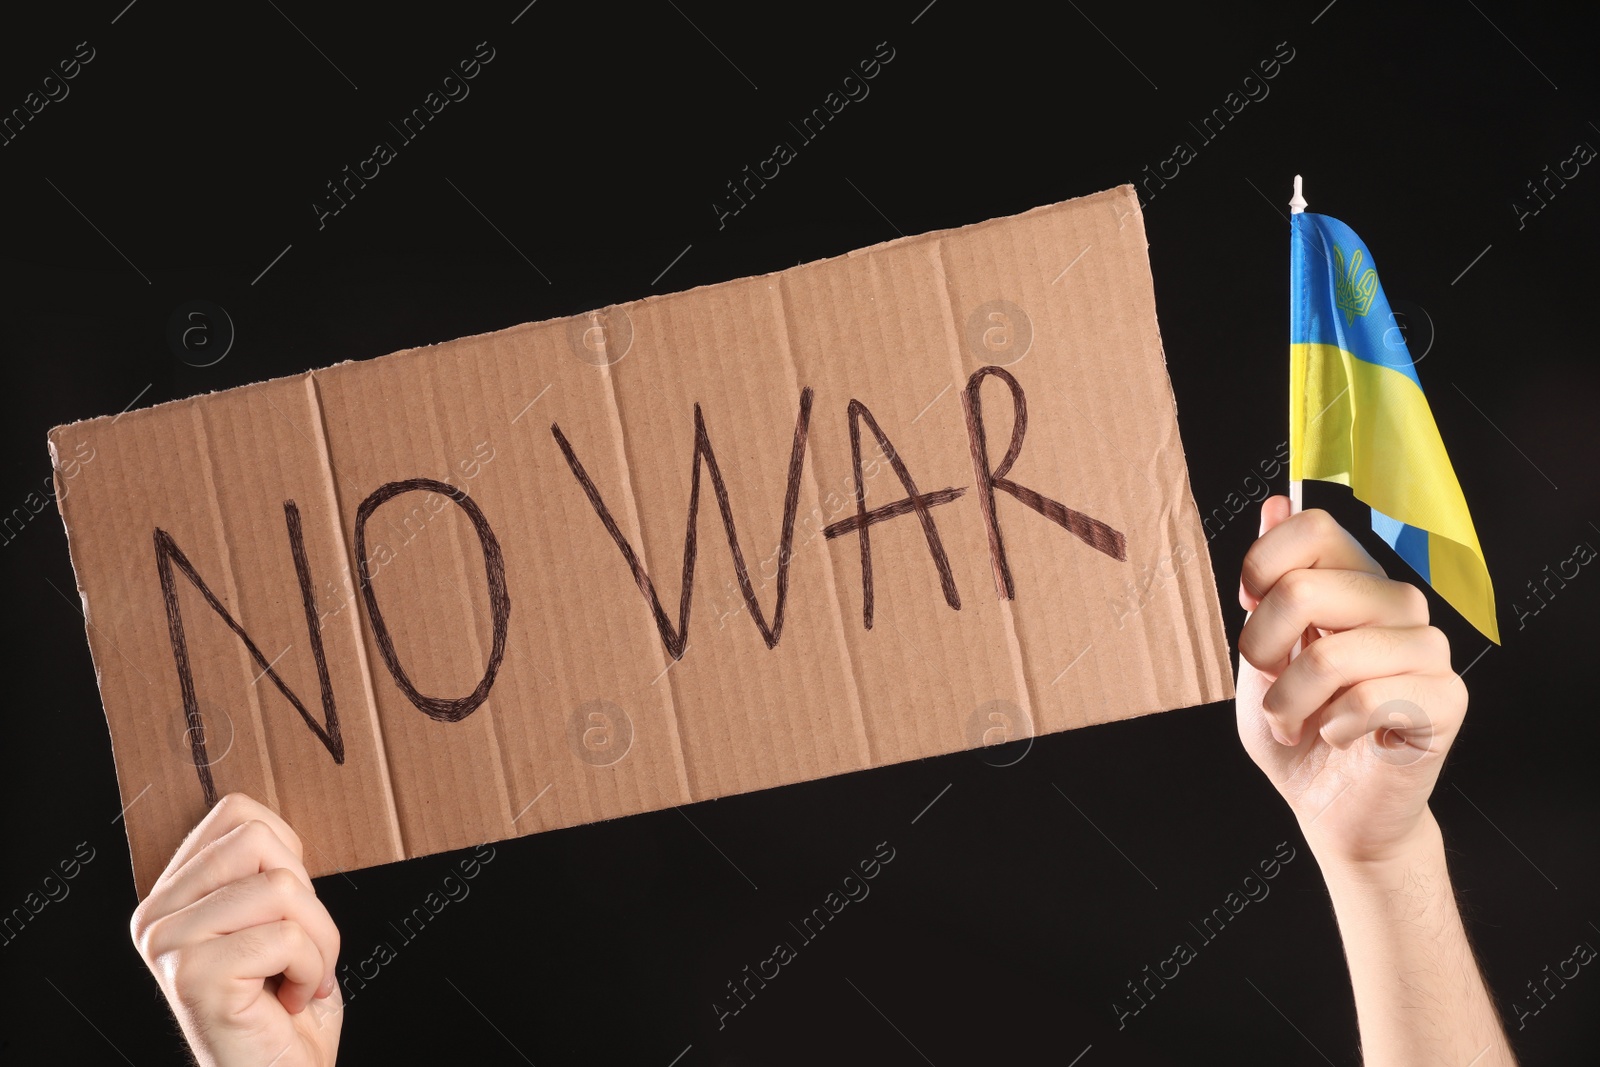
[241,946]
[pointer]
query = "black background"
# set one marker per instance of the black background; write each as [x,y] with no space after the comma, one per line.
[187,157]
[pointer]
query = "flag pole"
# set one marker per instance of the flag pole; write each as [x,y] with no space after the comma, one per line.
[1296,205]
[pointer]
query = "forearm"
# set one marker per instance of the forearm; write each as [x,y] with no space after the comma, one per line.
[1420,998]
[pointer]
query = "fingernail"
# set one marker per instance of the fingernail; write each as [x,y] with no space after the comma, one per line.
[326,988]
[1278,737]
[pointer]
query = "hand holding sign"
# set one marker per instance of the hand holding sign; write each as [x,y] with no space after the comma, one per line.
[241,946]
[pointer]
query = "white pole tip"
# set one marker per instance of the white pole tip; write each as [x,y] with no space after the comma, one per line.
[1298,204]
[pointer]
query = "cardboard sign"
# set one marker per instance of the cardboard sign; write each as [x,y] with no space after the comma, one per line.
[920,498]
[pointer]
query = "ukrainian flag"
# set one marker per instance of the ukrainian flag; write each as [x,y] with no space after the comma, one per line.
[1357,416]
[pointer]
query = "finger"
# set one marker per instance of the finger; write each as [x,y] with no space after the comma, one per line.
[1308,539]
[1339,661]
[228,813]
[250,956]
[1274,510]
[253,901]
[252,847]
[1408,716]
[1331,600]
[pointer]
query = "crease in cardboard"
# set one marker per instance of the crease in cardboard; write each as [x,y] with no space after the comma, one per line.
[619,437]
[493,353]
[947,304]
[230,596]
[830,579]
[330,484]
[460,555]
[1171,538]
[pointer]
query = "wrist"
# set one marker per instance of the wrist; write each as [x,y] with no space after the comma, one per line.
[1420,848]
[1419,994]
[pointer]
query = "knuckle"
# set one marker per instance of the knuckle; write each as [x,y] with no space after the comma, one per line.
[139,925]
[286,836]
[1415,601]
[1366,699]
[236,805]
[295,937]
[1296,591]
[1436,645]
[282,881]
[1320,524]
[257,836]
[154,941]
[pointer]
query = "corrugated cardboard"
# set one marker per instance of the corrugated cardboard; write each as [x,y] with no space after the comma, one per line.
[477,530]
